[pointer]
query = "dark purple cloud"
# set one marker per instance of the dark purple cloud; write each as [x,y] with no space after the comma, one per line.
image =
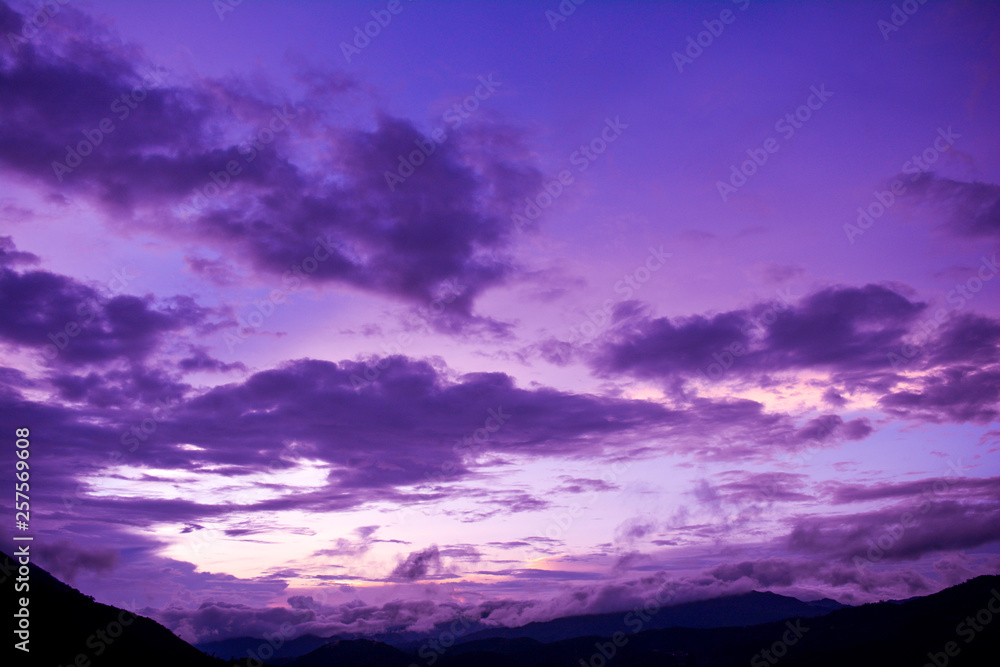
[938,515]
[768,572]
[200,360]
[416,426]
[65,560]
[741,487]
[580,593]
[954,394]
[10,255]
[660,348]
[966,338]
[136,386]
[74,324]
[584,485]
[418,565]
[442,235]
[838,328]
[854,493]
[971,209]
[851,585]
[853,334]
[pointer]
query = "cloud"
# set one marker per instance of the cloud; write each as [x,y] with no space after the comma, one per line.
[418,564]
[769,572]
[931,516]
[849,334]
[777,274]
[74,324]
[362,544]
[951,395]
[491,503]
[583,485]
[10,255]
[200,360]
[577,593]
[806,579]
[839,328]
[634,529]
[434,434]
[444,235]
[135,386]
[660,348]
[66,560]
[972,209]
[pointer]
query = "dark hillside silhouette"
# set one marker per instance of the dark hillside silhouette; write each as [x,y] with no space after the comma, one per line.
[957,627]
[65,623]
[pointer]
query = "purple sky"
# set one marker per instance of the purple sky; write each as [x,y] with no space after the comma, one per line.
[585,349]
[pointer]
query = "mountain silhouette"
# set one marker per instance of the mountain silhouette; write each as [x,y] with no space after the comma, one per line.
[746,609]
[355,653]
[915,632]
[918,632]
[956,627]
[242,647]
[66,624]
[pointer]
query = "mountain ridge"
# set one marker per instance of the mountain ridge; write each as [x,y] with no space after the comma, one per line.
[940,629]
[65,624]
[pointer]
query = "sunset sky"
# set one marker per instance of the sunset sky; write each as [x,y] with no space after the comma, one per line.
[499,311]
